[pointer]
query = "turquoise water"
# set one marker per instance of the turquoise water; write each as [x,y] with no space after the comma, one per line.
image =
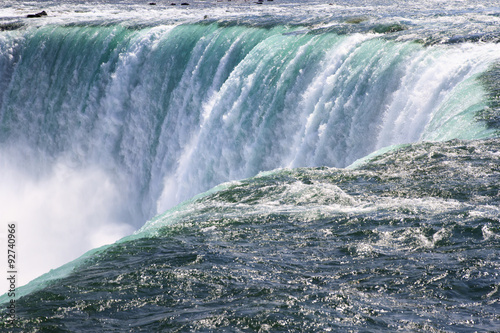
[350,154]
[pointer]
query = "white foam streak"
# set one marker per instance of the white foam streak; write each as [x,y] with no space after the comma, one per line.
[430,80]
[315,100]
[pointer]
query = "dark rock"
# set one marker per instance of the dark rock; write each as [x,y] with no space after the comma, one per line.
[42,13]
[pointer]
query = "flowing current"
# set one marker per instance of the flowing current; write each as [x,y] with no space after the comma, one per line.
[111,114]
